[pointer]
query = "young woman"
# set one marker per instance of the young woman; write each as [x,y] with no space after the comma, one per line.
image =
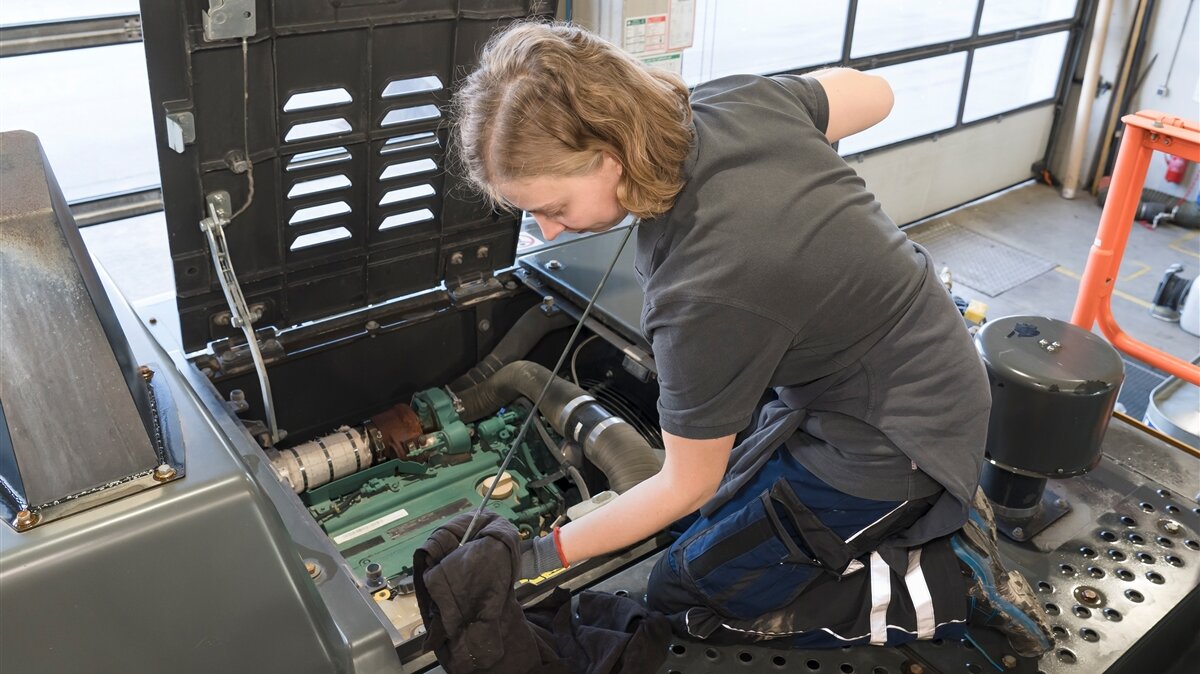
[821,404]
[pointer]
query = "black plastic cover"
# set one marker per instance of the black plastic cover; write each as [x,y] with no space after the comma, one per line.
[1054,386]
[347,132]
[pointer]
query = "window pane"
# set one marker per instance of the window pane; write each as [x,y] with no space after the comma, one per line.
[91,110]
[1001,15]
[927,95]
[16,11]
[1007,76]
[881,26]
[763,36]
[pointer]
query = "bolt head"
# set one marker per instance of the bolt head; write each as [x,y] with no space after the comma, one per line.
[1089,595]
[1171,527]
[163,473]
[456,258]
[554,265]
[146,373]
[1008,661]
[1018,532]
[916,668]
[25,520]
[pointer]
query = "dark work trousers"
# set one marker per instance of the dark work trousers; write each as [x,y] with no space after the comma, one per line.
[790,559]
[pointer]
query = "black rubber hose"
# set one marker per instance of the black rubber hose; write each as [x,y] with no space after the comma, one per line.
[528,331]
[611,444]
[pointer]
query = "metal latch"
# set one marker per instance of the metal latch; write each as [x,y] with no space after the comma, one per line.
[228,19]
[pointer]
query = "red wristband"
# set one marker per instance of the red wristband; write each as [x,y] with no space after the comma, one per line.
[562,558]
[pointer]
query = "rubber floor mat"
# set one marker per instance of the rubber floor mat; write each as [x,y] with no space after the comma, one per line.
[977,261]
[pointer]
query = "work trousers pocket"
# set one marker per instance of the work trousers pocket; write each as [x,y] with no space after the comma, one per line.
[744,564]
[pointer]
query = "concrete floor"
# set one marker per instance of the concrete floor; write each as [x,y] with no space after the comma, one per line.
[1030,217]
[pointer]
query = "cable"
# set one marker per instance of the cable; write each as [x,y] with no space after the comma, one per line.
[575,356]
[246,130]
[541,396]
[1182,31]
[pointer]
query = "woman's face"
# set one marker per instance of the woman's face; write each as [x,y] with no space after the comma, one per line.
[584,203]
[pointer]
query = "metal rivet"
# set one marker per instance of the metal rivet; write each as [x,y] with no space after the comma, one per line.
[25,520]
[163,473]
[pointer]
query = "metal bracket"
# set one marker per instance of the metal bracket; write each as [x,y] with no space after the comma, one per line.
[181,130]
[229,19]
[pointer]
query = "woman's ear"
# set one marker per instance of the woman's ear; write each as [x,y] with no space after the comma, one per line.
[611,163]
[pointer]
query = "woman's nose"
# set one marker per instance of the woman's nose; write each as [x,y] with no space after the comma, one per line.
[550,228]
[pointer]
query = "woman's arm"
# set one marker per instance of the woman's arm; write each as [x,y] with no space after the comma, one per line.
[857,101]
[689,477]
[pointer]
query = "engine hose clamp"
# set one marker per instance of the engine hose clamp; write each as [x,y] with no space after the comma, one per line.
[565,415]
[600,428]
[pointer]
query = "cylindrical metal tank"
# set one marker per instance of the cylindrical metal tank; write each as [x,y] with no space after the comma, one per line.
[1053,386]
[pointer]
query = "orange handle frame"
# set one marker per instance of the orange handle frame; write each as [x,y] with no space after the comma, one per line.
[1145,132]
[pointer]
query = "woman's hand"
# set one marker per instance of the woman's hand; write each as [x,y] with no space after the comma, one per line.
[690,476]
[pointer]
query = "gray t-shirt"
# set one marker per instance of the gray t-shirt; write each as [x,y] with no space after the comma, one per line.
[777,269]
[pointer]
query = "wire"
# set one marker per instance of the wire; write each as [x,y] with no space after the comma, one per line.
[246,130]
[575,356]
[537,404]
[1182,31]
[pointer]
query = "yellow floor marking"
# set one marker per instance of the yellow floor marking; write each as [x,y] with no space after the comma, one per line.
[1129,277]
[1116,293]
[1176,244]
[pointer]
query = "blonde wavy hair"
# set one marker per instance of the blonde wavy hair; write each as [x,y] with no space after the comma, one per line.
[548,99]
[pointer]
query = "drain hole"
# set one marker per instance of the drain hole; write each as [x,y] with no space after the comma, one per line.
[678,649]
[1059,632]
[847,668]
[622,593]
[1128,521]
[711,653]
[1087,552]
[1045,587]
[1108,536]
[1173,560]
[1134,596]
[1089,634]
[1147,507]
[1135,538]
[1066,656]
[1112,614]
[813,665]
[1192,544]
[1052,609]
[880,670]
[1095,572]
[1174,510]
[779,661]
[1067,569]
[974,668]
[1164,542]
[1164,493]
[1124,574]
[1144,558]
[1156,578]
[1081,611]
[745,657]
[1116,555]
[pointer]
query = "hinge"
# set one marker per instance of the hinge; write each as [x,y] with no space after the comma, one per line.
[229,19]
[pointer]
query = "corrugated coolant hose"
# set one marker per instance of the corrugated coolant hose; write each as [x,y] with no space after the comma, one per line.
[610,443]
[517,343]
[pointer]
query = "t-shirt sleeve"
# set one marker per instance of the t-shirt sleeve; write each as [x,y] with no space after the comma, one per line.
[714,362]
[811,96]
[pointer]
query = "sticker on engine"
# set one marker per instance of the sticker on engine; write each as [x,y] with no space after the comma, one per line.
[370,526]
[448,510]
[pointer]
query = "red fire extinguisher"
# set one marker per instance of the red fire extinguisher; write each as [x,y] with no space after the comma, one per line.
[1176,166]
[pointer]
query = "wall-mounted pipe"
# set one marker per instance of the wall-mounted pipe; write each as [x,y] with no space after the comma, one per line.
[1087,96]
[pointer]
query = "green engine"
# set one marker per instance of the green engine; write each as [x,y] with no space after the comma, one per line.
[378,516]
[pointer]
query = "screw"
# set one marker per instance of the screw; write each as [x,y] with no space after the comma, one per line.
[510,285]
[146,373]
[313,570]
[26,520]
[456,258]
[1018,533]
[163,473]
[237,395]
[1008,661]
[1089,595]
[482,252]
[1171,527]
[554,265]
[547,301]
[1061,503]
[485,325]
[915,668]
[372,326]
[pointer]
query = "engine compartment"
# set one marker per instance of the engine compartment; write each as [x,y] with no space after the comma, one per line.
[377,483]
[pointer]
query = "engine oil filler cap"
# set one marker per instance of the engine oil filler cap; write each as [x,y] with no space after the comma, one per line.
[503,490]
